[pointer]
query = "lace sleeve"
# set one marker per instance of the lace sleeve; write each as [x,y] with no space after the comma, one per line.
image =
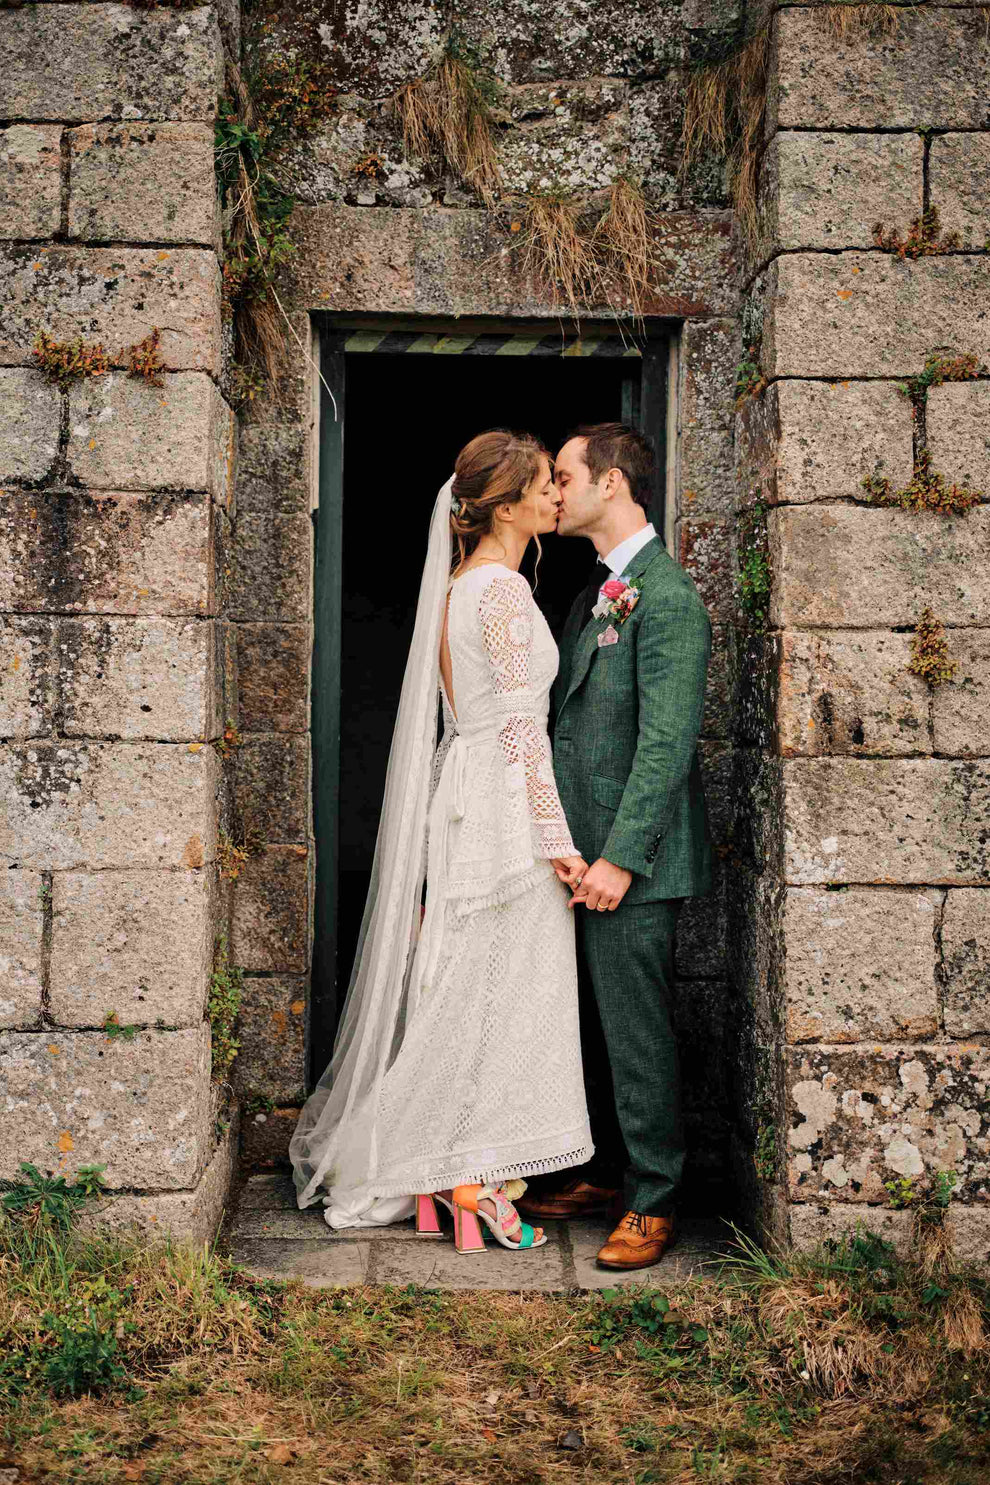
[506,614]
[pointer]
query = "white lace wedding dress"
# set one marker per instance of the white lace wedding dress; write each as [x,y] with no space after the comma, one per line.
[487,1082]
[457,1056]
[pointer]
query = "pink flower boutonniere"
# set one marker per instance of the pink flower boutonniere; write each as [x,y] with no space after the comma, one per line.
[616,600]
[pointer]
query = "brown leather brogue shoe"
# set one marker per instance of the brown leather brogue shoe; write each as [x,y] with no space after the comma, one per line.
[638,1241]
[579,1198]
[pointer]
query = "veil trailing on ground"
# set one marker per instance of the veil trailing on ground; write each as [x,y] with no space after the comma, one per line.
[334,1142]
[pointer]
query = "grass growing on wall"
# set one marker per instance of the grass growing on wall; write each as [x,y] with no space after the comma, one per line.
[269,102]
[447,118]
[927,490]
[846,21]
[578,255]
[724,113]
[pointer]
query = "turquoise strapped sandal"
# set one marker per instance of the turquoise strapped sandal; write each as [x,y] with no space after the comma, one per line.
[506,1227]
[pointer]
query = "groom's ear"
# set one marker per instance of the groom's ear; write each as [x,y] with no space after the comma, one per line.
[612,483]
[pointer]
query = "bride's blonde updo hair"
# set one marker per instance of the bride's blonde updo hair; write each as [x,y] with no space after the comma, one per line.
[493,469]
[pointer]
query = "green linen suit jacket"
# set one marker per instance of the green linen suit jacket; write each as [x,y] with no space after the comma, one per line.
[626,722]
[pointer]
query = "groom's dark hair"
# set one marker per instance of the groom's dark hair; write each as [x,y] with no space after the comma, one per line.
[617,446]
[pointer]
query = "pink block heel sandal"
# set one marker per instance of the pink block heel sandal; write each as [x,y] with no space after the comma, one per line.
[468,1236]
[427,1219]
[505,1227]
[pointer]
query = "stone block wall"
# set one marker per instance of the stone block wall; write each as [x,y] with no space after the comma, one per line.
[868,1015]
[116,672]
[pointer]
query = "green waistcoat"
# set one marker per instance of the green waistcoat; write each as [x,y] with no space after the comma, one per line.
[626,722]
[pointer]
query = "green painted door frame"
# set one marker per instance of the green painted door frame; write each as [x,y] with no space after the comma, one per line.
[644,404]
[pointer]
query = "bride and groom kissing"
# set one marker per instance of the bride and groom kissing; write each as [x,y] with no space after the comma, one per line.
[509,1014]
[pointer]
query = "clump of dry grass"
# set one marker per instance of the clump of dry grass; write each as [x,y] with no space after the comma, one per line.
[447,117]
[612,260]
[252,248]
[846,21]
[725,110]
[558,254]
[625,239]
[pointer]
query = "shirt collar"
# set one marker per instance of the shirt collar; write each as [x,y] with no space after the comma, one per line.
[620,556]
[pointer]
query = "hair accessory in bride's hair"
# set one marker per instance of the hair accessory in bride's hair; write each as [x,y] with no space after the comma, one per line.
[457,505]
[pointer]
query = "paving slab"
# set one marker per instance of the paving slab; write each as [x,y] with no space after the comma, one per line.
[435,1264]
[274,1239]
[318,1264]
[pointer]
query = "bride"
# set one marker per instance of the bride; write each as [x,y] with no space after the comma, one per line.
[456,1071]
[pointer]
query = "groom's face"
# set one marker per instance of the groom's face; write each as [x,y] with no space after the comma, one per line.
[581,500]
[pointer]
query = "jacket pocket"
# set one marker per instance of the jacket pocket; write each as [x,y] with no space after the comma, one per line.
[607,791]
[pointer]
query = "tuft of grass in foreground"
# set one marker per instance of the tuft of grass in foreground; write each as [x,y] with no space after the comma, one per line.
[123,1362]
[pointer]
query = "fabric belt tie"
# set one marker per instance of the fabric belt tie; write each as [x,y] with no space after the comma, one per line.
[447,807]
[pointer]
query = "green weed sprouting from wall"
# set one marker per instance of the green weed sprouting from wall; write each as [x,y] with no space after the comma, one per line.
[754,578]
[924,237]
[750,380]
[223,1004]
[765,1153]
[230,741]
[941,367]
[65,361]
[930,658]
[926,490]
[114,1031]
[51,1199]
[144,361]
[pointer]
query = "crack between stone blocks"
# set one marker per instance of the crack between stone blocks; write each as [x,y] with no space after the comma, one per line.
[926,188]
[568,1266]
[57,733]
[47,880]
[62,239]
[86,740]
[65,168]
[877,128]
[839,252]
[788,883]
[940,961]
[13,863]
[371,1274]
[101,613]
[63,1029]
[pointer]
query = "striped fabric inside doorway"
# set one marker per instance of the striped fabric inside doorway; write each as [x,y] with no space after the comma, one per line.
[398,342]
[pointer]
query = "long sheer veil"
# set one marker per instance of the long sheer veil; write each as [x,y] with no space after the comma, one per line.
[333,1145]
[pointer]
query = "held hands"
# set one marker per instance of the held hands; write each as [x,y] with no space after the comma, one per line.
[569,869]
[601,887]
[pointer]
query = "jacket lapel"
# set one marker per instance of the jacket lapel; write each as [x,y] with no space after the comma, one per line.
[586,646]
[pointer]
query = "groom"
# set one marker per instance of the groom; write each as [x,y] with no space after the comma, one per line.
[628,704]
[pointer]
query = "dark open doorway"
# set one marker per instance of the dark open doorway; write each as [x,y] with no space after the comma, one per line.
[407,400]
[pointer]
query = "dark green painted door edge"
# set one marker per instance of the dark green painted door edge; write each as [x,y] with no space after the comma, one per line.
[327,588]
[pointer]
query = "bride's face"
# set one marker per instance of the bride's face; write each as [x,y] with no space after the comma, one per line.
[541,500]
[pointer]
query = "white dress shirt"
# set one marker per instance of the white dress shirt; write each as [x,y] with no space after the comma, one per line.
[621,556]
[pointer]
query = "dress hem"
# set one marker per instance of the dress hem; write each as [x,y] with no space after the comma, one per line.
[441,1180]
[491,1175]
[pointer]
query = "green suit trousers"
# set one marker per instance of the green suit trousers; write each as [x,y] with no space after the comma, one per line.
[632,1072]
